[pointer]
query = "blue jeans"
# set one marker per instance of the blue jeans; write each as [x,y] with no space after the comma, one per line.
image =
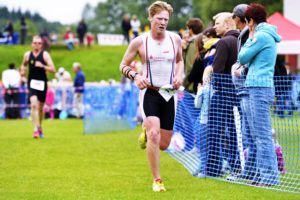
[221,134]
[248,140]
[202,147]
[262,150]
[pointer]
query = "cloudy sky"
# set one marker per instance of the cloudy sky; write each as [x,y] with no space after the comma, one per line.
[64,11]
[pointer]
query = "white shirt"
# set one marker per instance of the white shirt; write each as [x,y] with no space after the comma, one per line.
[64,77]
[160,69]
[135,25]
[11,78]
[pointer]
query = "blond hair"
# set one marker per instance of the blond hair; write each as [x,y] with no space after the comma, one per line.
[36,37]
[207,74]
[159,6]
[226,17]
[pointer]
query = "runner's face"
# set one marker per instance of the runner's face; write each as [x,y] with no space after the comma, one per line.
[36,44]
[159,21]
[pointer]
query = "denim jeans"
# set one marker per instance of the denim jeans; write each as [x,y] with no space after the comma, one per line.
[221,135]
[201,139]
[265,165]
[248,140]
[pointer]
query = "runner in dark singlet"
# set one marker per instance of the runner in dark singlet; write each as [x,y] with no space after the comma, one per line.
[39,62]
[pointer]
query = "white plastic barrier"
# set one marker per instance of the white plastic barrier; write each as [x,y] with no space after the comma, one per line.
[110,39]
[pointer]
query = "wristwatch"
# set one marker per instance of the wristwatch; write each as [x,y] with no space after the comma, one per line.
[134,75]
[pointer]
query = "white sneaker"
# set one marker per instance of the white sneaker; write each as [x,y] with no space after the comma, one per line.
[201,175]
[158,186]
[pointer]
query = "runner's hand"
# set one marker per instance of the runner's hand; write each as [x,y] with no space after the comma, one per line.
[39,64]
[141,82]
[177,82]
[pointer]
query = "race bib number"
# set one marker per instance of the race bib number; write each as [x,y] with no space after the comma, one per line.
[167,91]
[37,85]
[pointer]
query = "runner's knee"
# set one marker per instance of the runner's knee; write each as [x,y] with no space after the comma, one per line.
[153,136]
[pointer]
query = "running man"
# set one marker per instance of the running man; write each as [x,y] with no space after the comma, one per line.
[161,55]
[39,62]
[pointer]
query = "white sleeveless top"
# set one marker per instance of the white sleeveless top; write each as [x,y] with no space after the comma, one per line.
[160,59]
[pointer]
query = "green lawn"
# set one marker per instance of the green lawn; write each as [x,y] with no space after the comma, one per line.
[98,62]
[69,165]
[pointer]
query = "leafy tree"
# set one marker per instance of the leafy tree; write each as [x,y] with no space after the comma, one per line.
[109,14]
[206,9]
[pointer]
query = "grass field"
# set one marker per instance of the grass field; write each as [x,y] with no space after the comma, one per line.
[67,164]
[98,62]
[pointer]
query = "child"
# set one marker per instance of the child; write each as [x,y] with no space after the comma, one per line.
[279,153]
[202,100]
[49,103]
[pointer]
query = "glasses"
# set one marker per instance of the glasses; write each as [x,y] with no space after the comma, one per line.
[37,43]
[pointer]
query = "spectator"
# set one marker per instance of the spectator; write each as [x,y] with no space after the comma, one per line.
[53,38]
[64,80]
[281,86]
[239,73]
[79,89]
[194,27]
[204,94]
[126,26]
[69,38]
[195,76]
[259,52]
[11,79]
[23,31]
[89,39]
[81,31]
[45,39]
[63,76]
[221,119]
[9,31]
[135,26]
[9,28]
[49,103]
[210,40]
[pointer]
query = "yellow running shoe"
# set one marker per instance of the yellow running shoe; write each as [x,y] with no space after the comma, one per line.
[142,140]
[158,186]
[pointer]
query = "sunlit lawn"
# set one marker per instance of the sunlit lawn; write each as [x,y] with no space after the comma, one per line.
[67,164]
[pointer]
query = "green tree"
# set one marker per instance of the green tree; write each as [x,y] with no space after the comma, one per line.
[206,9]
[109,14]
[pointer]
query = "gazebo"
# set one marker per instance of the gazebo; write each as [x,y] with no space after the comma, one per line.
[290,33]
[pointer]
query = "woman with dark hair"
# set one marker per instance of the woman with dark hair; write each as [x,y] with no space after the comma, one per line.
[196,74]
[259,52]
[210,40]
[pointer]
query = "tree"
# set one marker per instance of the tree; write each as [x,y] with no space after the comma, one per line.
[109,14]
[206,9]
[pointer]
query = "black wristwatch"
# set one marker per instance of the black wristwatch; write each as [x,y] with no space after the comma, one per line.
[133,76]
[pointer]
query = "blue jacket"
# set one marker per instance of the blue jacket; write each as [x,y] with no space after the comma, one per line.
[260,54]
[79,82]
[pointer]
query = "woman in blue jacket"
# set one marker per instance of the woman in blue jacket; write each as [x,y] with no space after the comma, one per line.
[259,52]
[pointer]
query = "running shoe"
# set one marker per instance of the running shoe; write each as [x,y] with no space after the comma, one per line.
[36,134]
[142,140]
[41,134]
[158,186]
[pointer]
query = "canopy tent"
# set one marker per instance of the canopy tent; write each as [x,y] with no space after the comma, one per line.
[290,33]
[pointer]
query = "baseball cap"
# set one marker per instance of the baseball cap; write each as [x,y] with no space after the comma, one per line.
[61,70]
[239,10]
